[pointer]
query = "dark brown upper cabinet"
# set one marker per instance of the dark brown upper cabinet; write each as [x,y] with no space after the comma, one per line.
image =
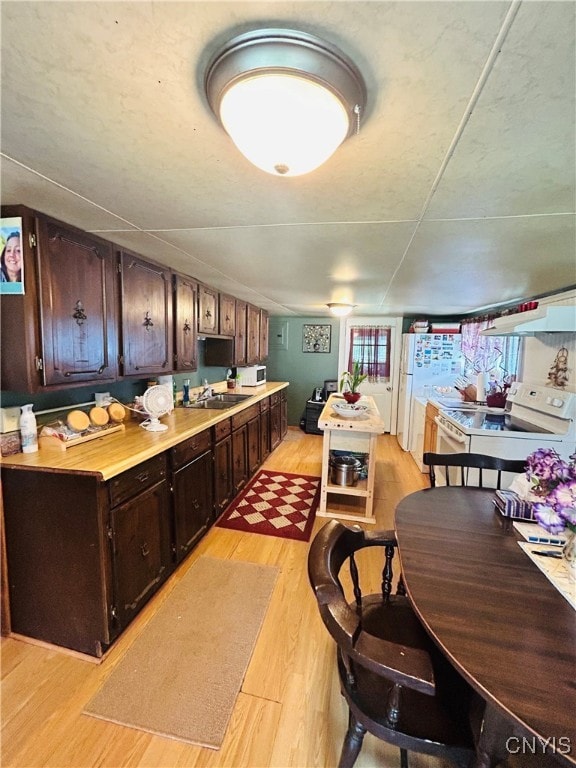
[207,310]
[240,338]
[253,335]
[146,307]
[227,312]
[263,345]
[63,330]
[185,324]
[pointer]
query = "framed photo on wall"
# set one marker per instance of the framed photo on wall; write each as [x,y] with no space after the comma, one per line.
[316,338]
[11,261]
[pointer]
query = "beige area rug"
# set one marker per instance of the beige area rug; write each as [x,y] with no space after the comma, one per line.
[181,676]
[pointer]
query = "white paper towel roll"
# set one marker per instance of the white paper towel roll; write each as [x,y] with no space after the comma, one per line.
[480,388]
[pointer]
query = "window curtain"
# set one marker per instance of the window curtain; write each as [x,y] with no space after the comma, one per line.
[496,356]
[370,347]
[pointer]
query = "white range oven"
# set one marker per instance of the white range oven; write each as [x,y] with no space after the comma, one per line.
[535,416]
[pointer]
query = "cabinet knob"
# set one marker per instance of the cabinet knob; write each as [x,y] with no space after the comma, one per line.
[145,549]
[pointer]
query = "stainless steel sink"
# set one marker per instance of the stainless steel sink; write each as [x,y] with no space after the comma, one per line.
[217,405]
[220,402]
[225,397]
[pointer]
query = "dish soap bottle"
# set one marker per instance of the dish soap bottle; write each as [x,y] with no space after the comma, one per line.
[186,393]
[28,430]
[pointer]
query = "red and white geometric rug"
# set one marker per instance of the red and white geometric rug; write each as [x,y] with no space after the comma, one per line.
[275,504]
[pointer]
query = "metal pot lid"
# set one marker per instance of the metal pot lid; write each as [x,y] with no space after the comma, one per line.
[346,461]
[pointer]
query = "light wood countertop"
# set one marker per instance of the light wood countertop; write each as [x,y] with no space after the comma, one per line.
[112,454]
[371,421]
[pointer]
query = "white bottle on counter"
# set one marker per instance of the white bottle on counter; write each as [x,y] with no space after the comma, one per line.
[28,429]
[481,388]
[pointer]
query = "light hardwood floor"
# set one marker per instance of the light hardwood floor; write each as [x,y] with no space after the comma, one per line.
[289,713]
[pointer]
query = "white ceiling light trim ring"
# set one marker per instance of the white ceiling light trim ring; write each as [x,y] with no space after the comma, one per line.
[340,309]
[287,99]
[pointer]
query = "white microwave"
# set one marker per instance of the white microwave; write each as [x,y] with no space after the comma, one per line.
[252,376]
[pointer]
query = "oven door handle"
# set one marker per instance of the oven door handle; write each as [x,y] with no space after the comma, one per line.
[456,436]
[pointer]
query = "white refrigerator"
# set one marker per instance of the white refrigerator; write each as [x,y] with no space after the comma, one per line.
[428,360]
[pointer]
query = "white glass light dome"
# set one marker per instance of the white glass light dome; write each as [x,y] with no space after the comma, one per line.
[283,124]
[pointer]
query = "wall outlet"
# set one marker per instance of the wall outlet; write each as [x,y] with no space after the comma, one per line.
[102,398]
[9,419]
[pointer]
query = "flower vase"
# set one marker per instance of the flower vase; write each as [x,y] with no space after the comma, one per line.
[569,553]
[351,397]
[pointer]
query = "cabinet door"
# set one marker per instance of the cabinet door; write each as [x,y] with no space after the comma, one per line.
[253,437]
[239,458]
[185,324]
[264,434]
[240,337]
[207,310]
[146,298]
[57,554]
[430,429]
[263,343]
[141,549]
[227,311]
[223,480]
[253,335]
[275,424]
[283,415]
[77,305]
[193,503]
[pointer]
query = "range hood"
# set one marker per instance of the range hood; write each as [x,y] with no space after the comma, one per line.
[549,319]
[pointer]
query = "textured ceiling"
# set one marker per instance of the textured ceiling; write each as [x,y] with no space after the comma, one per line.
[457,194]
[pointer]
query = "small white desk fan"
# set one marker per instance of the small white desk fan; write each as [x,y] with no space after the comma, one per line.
[156,401]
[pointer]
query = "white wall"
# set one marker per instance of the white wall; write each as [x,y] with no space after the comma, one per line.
[540,351]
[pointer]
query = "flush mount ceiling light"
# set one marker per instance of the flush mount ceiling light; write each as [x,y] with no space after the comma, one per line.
[340,310]
[287,99]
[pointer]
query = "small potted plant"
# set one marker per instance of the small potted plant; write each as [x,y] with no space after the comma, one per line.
[349,383]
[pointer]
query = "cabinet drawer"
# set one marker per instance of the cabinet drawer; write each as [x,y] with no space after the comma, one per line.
[222,430]
[135,480]
[265,405]
[275,398]
[189,449]
[245,416]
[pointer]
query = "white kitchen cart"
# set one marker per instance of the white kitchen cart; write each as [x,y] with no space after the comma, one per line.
[357,435]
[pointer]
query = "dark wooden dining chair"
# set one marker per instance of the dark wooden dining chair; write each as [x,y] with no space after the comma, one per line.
[465,461]
[396,683]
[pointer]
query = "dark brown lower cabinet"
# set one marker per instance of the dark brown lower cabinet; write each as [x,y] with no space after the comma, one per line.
[253,441]
[223,470]
[275,421]
[283,415]
[264,429]
[83,555]
[241,442]
[239,458]
[141,550]
[192,486]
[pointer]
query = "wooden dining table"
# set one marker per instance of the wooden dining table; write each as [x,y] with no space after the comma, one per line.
[496,617]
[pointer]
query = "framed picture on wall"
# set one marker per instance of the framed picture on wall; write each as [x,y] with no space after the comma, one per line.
[11,263]
[316,338]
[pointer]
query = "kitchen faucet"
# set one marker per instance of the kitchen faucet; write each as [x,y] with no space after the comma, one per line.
[206,392]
